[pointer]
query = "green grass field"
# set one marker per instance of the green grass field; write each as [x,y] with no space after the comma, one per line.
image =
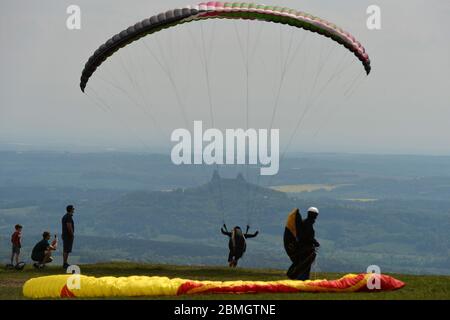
[417,287]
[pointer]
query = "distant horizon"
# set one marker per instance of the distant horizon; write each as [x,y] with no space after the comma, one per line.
[19,147]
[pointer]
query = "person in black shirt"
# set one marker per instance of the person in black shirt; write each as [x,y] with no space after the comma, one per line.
[307,234]
[68,234]
[42,251]
[236,244]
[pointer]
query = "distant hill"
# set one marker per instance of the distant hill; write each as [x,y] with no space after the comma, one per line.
[197,212]
[128,208]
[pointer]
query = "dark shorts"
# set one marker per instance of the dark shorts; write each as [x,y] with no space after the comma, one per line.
[38,257]
[67,245]
[15,249]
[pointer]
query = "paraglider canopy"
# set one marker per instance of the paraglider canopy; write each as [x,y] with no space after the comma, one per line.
[220,10]
[147,92]
[291,233]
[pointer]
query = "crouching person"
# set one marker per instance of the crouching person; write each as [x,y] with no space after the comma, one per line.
[42,251]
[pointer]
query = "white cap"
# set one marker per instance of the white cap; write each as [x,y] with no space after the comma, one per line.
[313,210]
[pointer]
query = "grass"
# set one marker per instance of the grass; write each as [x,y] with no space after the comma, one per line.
[417,287]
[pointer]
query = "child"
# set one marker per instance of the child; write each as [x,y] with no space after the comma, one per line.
[16,240]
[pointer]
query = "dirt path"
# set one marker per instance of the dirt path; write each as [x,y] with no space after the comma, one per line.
[12,282]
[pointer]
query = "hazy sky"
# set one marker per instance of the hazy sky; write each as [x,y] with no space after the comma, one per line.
[402,107]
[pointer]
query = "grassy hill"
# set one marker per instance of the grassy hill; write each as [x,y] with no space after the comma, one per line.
[417,287]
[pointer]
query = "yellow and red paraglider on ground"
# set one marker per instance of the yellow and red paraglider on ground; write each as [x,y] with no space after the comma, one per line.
[134,286]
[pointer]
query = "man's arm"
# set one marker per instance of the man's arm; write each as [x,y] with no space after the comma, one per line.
[51,247]
[225,232]
[70,229]
[250,235]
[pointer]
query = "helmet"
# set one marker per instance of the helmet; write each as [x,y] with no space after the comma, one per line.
[313,210]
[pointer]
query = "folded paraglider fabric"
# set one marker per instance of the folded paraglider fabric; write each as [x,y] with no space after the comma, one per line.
[57,286]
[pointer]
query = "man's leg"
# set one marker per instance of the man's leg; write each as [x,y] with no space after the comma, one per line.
[305,274]
[308,272]
[65,257]
[302,277]
[67,249]
[306,268]
[237,256]
[47,258]
[17,257]
[37,261]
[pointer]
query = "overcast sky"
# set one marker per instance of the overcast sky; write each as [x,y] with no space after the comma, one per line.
[403,106]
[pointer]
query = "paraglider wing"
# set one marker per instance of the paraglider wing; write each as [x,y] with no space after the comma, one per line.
[291,234]
[55,286]
[219,10]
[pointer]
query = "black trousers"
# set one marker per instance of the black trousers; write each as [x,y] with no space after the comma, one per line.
[301,266]
[234,255]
